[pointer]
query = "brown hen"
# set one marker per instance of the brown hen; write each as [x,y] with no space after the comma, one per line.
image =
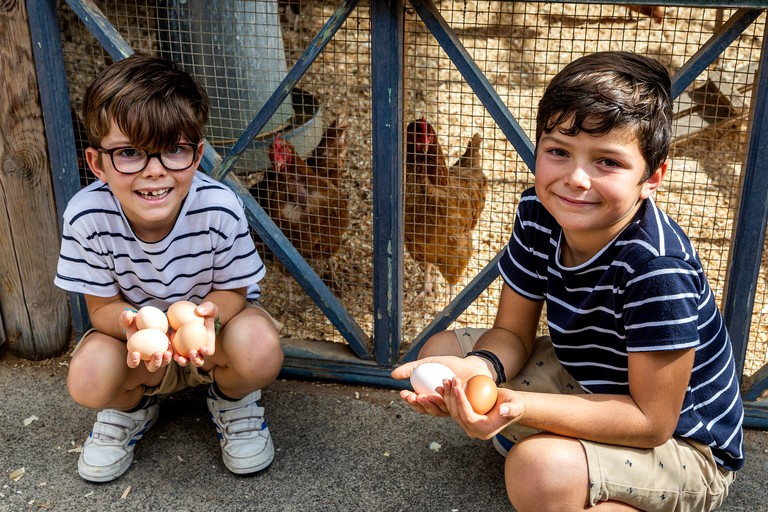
[442,204]
[306,202]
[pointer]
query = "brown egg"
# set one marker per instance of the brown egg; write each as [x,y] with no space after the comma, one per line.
[150,317]
[191,335]
[147,341]
[481,392]
[182,312]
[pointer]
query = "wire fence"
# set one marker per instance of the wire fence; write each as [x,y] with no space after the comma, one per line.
[240,50]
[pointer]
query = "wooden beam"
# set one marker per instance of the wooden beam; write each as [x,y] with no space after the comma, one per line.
[35,313]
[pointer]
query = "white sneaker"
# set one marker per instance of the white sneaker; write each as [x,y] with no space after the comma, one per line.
[108,451]
[246,446]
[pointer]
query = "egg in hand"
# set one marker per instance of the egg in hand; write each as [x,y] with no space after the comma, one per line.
[150,317]
[482,393]
[190,336]
[426,377]
[181,312]
[147,342]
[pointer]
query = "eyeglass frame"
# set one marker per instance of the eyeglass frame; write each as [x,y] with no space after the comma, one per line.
[150,156]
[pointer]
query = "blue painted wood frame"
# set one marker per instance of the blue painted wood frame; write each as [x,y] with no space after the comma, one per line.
[747,247]
[45,33]
[386,146]
[356,364]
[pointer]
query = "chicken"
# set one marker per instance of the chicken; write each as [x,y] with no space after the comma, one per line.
[654,11]
[442,204]
[328,157]
[307,203]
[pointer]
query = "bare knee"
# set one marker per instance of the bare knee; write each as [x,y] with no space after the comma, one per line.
[96,372]
[441,344]
[250,347]
[547,472]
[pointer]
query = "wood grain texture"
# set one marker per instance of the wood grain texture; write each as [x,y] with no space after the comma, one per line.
[34,313]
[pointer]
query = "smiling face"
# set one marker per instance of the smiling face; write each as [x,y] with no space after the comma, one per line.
[592,185]
[151,199]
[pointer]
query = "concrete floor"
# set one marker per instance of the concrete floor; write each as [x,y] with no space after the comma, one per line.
[339,448]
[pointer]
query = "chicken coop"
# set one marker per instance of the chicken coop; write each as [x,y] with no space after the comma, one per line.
[365,270]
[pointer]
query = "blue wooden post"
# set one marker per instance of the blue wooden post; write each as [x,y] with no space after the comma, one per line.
[387,168]
[749,231]
[54,99]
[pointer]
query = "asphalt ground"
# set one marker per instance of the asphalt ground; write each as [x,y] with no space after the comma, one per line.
[338,448]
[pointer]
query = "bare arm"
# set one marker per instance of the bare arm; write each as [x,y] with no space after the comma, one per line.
[645,418]
[105,315]
[513,333]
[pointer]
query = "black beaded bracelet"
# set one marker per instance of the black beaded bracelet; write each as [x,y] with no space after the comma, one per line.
[494,359]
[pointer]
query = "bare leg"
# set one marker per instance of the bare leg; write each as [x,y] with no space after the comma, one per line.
[551,466]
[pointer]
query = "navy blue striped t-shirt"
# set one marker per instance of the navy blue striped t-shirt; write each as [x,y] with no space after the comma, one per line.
[644,291]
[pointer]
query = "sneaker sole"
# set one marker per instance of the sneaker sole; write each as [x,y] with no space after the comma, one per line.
[259,467]
[103,475]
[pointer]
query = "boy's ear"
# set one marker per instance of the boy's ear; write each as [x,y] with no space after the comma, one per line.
[200,151]
[93,157]
[653,182]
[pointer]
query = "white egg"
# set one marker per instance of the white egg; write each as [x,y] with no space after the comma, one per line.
[428,376]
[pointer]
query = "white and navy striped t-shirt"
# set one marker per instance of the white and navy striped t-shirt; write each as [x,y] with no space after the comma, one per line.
[209,247]
[645,291]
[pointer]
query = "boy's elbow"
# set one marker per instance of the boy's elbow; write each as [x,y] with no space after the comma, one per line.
[656,435]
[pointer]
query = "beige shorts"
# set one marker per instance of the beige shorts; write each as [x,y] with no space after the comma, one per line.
[179,377]
[680,475]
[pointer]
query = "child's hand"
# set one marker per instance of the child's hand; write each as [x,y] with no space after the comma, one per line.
[209,311]
[426,404]
[127,321]
[508,409]
[433,403]
[157,361]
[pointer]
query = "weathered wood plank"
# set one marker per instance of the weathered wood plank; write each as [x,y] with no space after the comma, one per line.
[35,314]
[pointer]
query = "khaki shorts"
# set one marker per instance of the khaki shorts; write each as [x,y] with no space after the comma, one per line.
[179,377]
[680,475]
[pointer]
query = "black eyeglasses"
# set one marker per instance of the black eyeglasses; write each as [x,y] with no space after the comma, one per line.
[129,160]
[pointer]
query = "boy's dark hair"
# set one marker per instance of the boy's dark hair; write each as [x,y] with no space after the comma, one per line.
[152,101]
[606,90]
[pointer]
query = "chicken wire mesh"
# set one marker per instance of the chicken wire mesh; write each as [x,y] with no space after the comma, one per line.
[519,47]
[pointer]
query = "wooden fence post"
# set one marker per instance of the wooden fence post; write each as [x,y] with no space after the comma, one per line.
[34,314]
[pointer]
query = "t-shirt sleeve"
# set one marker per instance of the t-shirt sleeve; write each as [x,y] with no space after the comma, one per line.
[83,266]
[661,306]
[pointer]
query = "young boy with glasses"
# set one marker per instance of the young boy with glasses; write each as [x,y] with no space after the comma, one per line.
[632,402]
[153,230]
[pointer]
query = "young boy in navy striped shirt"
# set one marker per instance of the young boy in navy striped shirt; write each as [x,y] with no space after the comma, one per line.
[152,231]
[632,402]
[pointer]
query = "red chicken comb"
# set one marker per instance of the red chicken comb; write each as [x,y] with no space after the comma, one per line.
[280,151]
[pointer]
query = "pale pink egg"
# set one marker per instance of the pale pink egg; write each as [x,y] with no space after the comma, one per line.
[190,336]
[147,342]
[182,312]
[150,317]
